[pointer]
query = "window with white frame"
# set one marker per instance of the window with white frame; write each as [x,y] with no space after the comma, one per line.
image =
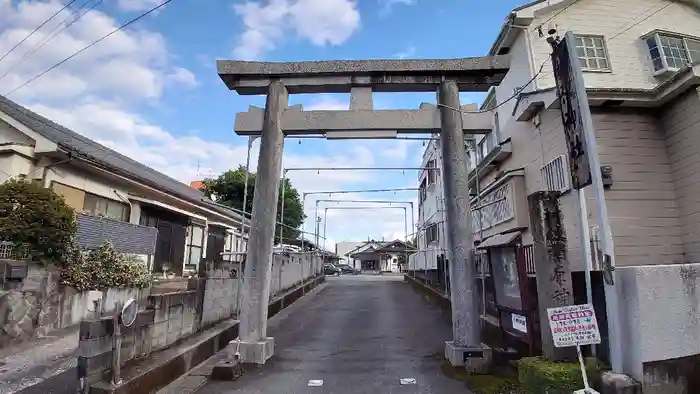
[555,175]
[195,243]
[671,53]
[592,54]
[432,174]
[431,233]
[486,145]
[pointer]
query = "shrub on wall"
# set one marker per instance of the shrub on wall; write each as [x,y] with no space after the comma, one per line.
[34,216]
[103,268]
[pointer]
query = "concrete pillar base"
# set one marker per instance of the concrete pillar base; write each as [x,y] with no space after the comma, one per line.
[473,359]
[253,352]
[227,370]
[615,383]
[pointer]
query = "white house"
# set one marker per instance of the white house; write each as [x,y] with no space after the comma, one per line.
[128,196]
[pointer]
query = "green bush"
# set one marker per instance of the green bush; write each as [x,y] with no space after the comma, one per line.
[103,268]
[540,376]
[35,217]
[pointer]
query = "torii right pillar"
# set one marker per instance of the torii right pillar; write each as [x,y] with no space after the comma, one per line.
[466,348]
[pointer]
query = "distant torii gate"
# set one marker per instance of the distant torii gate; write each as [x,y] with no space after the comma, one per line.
[361,78]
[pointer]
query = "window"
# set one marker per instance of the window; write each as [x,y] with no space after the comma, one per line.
[592,54]
[671,53]
[505,272]
[195,240]
[555,175]
[485,146]
[99,206]
[75,198]
[432,174]
[422,192]
[431,233]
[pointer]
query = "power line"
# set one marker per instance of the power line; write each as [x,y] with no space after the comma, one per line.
[139,17]
[364,191]
[539,27]
[639,21]
[53,35]
[517,94]
[36,29]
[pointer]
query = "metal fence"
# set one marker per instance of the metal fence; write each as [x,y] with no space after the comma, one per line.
[7,251]
[129,238]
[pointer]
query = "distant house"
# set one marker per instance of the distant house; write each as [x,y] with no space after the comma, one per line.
[382,256]
[99,182]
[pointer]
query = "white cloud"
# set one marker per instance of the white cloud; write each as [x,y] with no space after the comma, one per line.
[130,64]
[327,103]
[137,5]
[106,92]
[322,22]
[385,6]
[183,77]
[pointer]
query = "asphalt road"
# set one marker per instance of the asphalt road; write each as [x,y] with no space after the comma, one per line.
[360,335]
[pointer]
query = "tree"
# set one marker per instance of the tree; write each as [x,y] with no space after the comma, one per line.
[228,188]
[36,217]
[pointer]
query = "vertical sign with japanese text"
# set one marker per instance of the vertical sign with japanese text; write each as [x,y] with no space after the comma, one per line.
[565,65]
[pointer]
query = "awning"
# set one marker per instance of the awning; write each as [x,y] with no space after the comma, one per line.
[499,240]
[167,206]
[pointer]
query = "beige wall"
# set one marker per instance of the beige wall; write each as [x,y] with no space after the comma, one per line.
[642,206]
[69,175]
[629,57]
[15,153]
[681,121]
[641,202]
[13,164]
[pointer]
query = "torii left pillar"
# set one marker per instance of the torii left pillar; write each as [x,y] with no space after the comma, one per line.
[253,345]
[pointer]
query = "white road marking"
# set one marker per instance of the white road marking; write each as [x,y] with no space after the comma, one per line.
[315,383]
[408,381]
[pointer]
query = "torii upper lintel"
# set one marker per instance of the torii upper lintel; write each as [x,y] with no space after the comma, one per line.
[476,74]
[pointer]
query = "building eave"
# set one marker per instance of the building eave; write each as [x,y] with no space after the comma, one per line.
[531,103]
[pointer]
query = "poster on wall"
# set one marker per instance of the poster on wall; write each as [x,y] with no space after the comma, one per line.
[519,322]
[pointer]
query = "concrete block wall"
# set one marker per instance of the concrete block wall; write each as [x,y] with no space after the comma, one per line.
[96,342]
[288,271]
[174,317]
[167,318]
[219,291]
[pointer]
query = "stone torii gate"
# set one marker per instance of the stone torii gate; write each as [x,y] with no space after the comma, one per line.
[360,78]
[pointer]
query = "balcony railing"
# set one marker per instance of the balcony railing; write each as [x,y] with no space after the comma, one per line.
[496,207]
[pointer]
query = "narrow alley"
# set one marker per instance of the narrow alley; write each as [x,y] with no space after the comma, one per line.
[362,334]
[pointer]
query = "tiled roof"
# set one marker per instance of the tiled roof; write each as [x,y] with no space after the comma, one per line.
[87,149]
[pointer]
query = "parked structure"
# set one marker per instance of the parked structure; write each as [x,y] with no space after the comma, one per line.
[99,182]
[640,62]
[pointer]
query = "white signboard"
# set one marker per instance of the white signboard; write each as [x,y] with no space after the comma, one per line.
[519,322]
[573,325]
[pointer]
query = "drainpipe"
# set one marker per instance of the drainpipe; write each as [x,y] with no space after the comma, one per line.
[46,167]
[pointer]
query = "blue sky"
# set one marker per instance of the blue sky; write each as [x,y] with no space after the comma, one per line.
[152,91]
